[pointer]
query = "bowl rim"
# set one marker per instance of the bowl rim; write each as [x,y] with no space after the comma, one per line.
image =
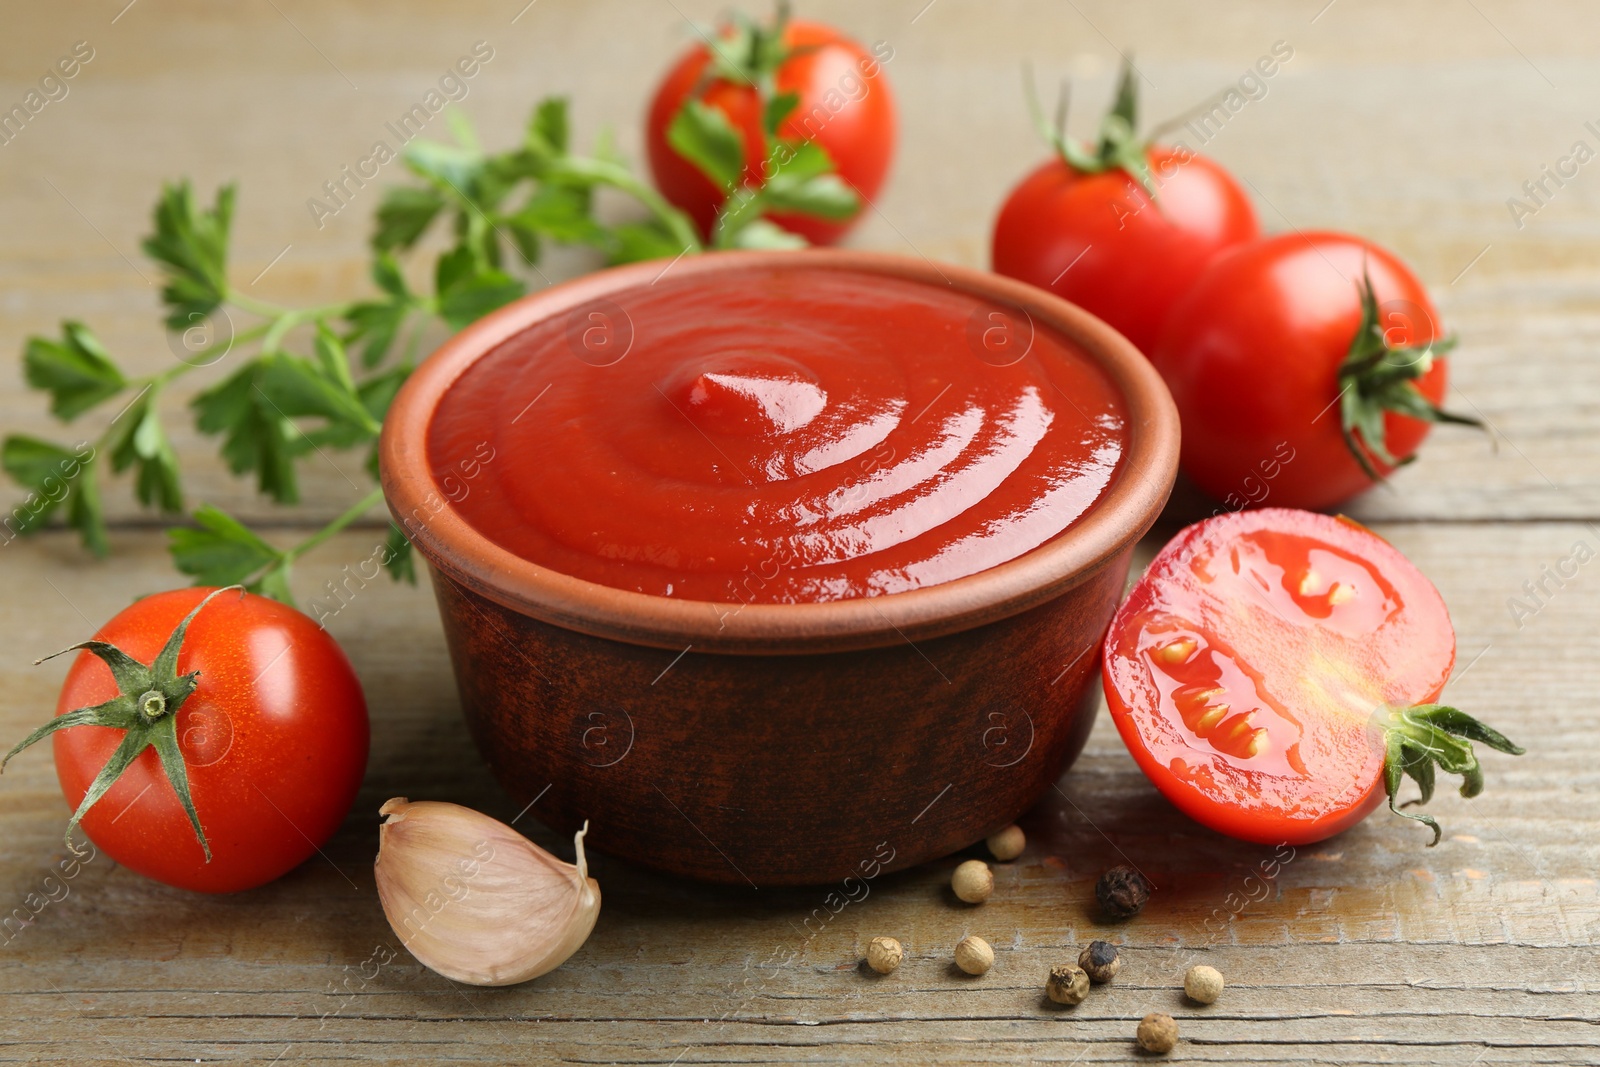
[457,550]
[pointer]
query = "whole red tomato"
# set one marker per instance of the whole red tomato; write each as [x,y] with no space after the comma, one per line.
[1292,384]
[1274,674]
[1122,228]
[1101,241]
[273,740]
[844,106]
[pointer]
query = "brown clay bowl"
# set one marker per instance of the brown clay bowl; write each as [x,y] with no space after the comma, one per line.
[782,744]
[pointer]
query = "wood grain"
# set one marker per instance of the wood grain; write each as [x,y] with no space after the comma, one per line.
[1366,949]
[1412,124]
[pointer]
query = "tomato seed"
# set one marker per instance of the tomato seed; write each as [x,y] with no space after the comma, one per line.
[1176,651]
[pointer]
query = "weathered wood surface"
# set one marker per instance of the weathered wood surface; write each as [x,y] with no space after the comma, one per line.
[1412,124]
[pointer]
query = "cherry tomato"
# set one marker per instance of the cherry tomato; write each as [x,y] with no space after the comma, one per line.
[1101,241]
[274,743]
[1253,356]
[845,107]
[1274,673]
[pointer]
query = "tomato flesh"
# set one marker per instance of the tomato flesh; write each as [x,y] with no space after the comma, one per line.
[1245,668]
[274,739]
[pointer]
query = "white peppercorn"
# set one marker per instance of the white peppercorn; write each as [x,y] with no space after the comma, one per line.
[1006,845]
[1203,984]
[973,881]
[884,954]
[1157,1032]
[974,955]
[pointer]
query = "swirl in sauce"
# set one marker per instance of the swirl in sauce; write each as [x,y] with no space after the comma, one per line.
[779,436]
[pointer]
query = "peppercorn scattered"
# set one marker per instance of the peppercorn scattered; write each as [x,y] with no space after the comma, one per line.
[973,881]
[1122,892]
[1067,985]
[974,955]
[1100,961]
[1157,1032]
[1203,984]
[1006,845]
[884,954]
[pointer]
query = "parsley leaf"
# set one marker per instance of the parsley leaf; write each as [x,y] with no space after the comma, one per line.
[404,215]
[76,371]
[704,136]
[192,247]
[634,242]
[397,557]
[218,549]
[257,438]
[54,474]
[548,128]
[468,290]
[137,439]
[376,323]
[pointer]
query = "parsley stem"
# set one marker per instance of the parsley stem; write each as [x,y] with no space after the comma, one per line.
[354,512]
[257,307]
[619,177]
[269,310]
[199,359]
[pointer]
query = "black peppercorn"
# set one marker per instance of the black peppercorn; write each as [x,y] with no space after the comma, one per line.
[1122,892]
[1100,961]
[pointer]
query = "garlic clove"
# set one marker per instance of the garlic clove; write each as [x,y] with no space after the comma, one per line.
[476,901]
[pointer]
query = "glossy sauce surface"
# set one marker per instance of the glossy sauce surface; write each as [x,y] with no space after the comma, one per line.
[778,436]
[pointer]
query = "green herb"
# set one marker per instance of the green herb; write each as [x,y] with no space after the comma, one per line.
[308,380]
[793,176]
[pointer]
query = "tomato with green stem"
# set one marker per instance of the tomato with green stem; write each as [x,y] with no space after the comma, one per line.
[211,739]
[1276,673]
[732,115]
[1318,345]
[1121,228]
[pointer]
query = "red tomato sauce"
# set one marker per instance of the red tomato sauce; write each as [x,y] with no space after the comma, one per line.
[779,436]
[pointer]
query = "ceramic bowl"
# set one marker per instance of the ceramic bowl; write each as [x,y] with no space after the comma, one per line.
[780,744]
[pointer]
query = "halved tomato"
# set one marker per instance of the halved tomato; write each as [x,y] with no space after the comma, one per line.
[1275,673]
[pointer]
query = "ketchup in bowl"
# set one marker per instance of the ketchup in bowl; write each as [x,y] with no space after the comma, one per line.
[778,436]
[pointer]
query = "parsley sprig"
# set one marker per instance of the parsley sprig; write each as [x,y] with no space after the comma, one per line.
[791,175]
[294,381]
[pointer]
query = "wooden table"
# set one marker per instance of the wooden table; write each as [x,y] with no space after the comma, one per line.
[1411,124]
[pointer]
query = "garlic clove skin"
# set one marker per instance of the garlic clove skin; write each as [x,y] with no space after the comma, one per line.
[476,901]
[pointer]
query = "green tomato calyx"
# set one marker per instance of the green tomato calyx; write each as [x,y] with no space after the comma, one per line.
[1422,736]
[1377,377]
[1118,146]
[145,709]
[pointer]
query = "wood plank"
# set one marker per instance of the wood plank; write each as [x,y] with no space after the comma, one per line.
[1413,125]
[278,113]
[1366,949]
